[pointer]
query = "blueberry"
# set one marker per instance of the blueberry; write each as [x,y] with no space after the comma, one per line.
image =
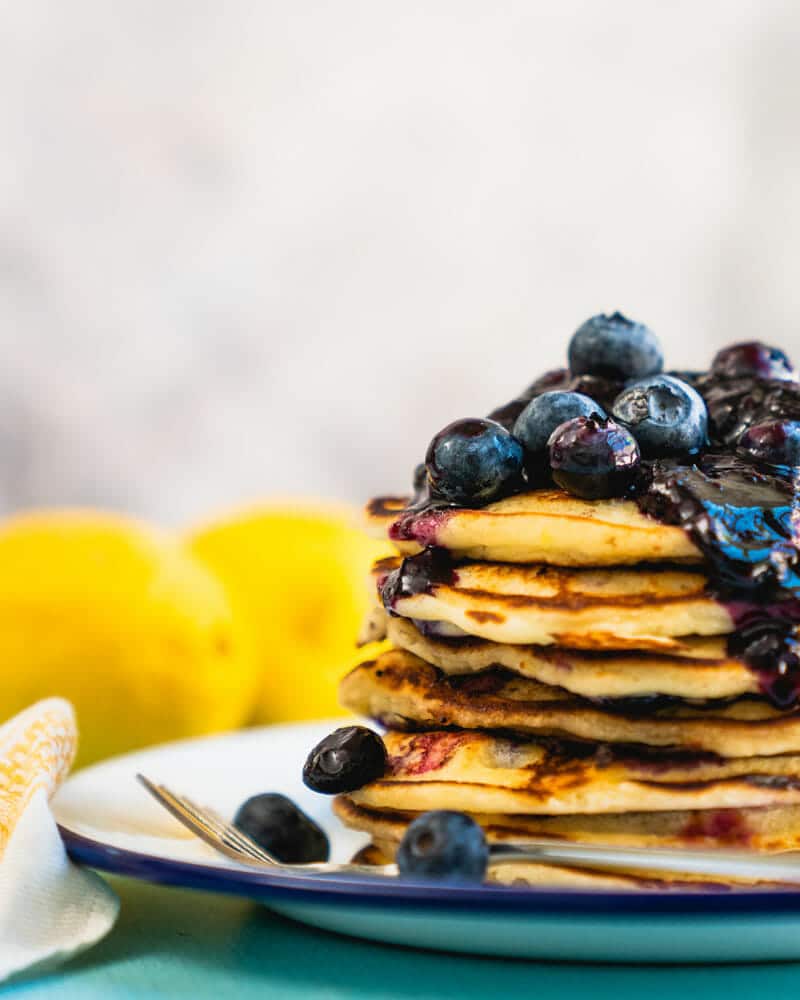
[593,458]
[344,761]
[666,416]
[474,461]
[753,358]
[776,442]
[276,823]
[546,412]
[443,845]
[614,347]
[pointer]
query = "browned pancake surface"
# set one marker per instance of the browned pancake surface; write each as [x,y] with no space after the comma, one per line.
[622,608]
[403,691]
[768,829]
[483,773]
[702,671]
[540,526]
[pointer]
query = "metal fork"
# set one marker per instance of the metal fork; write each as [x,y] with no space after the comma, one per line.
[228,840]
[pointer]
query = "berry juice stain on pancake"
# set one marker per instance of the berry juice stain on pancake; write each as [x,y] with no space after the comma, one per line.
[771,828]
[424,753]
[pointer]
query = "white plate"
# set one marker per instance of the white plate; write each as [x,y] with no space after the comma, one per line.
[109,822]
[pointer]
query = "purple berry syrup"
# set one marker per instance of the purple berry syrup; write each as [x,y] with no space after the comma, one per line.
[743,516]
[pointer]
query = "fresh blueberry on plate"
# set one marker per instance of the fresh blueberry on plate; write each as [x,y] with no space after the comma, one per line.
[753,358]
[443,845]
[274,822]
[474,462]
[347,759]
[616,348]
[593,458]
[546,412]
[776,442]
[666,416]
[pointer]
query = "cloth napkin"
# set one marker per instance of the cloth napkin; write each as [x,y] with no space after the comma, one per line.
[49,908]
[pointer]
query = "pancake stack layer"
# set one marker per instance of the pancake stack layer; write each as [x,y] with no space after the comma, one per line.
[611,671]
[573,702]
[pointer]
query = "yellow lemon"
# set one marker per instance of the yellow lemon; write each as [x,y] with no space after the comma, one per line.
[120,619]
[298,572]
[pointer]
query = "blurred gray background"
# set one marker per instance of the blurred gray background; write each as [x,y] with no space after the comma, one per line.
[249,248]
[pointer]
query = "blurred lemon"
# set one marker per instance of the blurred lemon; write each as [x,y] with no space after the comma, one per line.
[121,620]
[299,574]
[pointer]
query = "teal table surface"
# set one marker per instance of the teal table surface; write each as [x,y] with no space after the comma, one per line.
[178,943]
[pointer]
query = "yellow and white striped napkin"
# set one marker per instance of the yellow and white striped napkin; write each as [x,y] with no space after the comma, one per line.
[49,908]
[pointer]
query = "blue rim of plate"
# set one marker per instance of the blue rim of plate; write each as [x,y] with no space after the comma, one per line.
[361,890]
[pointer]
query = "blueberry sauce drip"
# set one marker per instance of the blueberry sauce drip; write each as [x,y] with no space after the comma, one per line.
[739,516]
[771,651]
[737,403]
[420,522]
[744,518]
[636,706]
[418,574]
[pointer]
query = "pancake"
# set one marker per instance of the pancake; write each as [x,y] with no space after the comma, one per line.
[768,829]
[482,773]
[641,608]
[702,671]
[528,874]
[548,526]
[402,691]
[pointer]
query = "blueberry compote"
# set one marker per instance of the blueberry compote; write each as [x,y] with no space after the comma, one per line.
[740,509]
[418,575]
[738,402]
[744,520]
[743,515]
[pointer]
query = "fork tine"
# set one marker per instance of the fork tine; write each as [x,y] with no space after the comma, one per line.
[222,831]
[214,832]
[196,818]
[200,813]
[211,818]
[226,831]
[231,842]
[173,805]
[229,833]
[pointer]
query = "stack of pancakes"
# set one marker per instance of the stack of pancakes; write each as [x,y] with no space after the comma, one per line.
[560,669]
